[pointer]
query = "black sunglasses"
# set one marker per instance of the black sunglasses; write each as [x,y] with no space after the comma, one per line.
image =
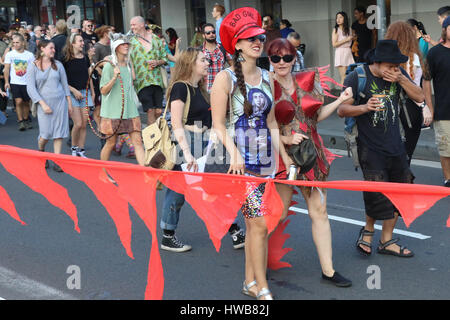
[287,58]
[262,38]
[209,32]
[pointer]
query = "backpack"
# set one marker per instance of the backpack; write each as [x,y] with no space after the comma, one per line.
[160,150]
[351,130]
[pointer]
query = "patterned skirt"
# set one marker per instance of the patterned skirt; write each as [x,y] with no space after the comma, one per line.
[109,126]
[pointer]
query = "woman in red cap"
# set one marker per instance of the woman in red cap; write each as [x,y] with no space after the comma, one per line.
[298,112]
[249,133]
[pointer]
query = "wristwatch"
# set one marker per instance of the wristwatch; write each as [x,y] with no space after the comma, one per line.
[423,105]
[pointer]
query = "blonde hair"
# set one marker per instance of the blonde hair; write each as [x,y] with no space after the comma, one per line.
[61,26]
[184,68]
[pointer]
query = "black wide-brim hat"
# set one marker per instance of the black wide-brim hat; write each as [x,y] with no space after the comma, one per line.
[389,52]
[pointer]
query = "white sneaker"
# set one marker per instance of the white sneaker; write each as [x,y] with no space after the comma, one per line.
[81,153]
[74,151]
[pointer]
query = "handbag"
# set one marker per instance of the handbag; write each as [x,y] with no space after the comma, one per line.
[304,155]
[160,150]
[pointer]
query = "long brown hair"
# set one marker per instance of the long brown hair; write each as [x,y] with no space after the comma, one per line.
[240,80]
[39,55]
[184,67]
[69,53]
[407,42]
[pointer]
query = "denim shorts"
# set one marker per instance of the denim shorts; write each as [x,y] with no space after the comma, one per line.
[82,103]
[382,168]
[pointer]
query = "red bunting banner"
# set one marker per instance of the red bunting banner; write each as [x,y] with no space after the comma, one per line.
[216,198]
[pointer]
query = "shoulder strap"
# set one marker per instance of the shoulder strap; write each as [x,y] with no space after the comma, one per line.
[362,81]
[187,105]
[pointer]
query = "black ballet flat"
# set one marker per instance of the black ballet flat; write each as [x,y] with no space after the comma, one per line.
[338,280]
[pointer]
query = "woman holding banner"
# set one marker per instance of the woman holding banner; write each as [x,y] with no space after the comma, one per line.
[248,88]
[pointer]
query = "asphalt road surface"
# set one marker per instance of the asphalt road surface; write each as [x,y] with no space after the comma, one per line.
[37,260]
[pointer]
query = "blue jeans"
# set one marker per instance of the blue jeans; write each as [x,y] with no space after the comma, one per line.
[173,201]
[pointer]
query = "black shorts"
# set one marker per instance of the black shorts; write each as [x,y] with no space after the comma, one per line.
[20,92]
[382,168]
[151,98]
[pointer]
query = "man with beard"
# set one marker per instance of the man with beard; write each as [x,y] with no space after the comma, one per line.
[215,53]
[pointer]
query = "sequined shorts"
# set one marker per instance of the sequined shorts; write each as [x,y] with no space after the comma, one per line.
[252,207]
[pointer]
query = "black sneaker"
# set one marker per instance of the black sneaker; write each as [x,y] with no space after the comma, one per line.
[22,126]
[338,280]
[28,124]
[447,183]
[238,238]
[171,243]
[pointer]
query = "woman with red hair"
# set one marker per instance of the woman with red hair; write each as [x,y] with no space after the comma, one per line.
[298,110]
[412,115]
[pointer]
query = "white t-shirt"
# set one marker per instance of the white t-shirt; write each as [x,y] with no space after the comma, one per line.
[19,65]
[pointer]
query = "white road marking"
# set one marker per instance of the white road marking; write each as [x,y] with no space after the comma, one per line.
[33,290]
[414,162]
[361,223]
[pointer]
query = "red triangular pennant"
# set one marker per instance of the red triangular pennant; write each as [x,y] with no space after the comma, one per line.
[106,192]
[216,199]
[276,251]
[412,206]
[29,167]
[139,189]
[8,205]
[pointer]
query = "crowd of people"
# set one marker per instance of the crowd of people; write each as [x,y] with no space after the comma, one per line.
[239,78]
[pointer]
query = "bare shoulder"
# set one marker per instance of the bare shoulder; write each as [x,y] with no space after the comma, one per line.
[222,82]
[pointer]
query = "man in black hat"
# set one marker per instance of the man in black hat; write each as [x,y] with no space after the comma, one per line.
[382,154]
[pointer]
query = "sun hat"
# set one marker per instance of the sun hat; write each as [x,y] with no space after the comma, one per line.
[242,23]
[388,51]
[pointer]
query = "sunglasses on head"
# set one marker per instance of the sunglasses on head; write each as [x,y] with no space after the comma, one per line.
[210,32]
[287,58]
[261,38]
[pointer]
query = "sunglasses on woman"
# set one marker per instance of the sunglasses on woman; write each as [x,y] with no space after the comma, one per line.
[287,58]
[260,37]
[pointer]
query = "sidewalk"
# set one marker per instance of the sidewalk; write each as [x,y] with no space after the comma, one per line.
[332,132]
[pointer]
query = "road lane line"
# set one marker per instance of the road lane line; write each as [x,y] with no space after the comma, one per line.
[361,223]
[31,288]
[414,162]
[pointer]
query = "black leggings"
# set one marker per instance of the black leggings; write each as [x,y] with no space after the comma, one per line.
[411,134]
